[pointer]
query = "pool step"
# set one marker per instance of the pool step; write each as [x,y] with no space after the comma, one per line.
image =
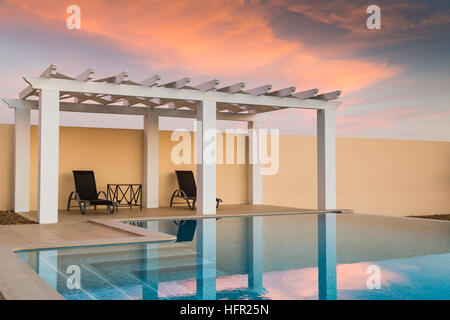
[122,254]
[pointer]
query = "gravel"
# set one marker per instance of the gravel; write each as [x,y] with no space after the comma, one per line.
[8,217]
[434,216]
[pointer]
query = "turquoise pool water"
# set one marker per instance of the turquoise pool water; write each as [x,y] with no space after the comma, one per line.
[271,257]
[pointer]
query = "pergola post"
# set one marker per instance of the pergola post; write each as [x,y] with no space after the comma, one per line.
[151,160]
[206,157]
[22,160]
[326,223]
[326,159]
[254,165]
[47,204]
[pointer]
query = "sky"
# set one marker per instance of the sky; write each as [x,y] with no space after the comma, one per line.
[395,81]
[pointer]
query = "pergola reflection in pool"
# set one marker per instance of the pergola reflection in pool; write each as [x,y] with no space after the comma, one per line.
[51,92]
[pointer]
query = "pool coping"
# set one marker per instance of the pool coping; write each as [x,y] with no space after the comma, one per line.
[229,215]
[14,270]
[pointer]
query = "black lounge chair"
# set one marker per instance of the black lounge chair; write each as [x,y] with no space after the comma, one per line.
[86,193]
[187,189]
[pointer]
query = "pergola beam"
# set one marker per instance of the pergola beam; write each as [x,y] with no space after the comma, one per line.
[180,94]
[114,109]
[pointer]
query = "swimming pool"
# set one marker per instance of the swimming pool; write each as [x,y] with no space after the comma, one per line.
[269,257]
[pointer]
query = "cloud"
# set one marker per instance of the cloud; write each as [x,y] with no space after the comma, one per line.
[231,39]
[320,44]
[386,118]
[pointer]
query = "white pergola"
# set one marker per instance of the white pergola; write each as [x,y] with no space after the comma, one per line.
[53,92]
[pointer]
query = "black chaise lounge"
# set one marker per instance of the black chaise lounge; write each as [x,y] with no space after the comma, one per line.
[86,193]
[187,189]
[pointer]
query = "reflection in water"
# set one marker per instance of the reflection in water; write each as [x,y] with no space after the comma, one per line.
[206,259]
[149,273]
[46,266]
[255,254]
[326,255]
[257,258]
[186,230]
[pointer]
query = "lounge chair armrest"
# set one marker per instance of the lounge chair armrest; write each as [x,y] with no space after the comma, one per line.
[104,194]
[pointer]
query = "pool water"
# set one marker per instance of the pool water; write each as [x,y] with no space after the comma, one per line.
[344,256]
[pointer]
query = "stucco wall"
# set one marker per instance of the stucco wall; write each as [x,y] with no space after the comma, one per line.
[380,176]
[389,177]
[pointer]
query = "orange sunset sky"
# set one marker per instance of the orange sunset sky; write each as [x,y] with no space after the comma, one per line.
[395,81]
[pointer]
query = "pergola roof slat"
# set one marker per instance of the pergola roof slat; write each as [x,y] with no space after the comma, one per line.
[178,84]
[27,92]
[306,94]
[328,96]
[152,81]
[119,78]
[50,71]
[260,90]
[237,87]
[208,85]
[282,92]
[86,75]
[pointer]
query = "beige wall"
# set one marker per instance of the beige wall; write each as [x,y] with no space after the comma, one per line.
[389,177]
[373,176]
[6,167]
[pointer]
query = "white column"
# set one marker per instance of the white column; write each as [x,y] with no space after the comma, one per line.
[47,204]
[326,159]
[206,157]
[22,160]
[151,161]
[254,165]
[255,253]
[326,223]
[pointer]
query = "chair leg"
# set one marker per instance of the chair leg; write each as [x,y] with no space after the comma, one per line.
[189,204]
[82,207]
[171,199]
[70,200]
[111,208]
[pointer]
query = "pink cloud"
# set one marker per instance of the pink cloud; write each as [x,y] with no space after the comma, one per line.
[290,284]
[229,39]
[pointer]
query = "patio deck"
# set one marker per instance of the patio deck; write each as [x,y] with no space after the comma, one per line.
[237,210]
